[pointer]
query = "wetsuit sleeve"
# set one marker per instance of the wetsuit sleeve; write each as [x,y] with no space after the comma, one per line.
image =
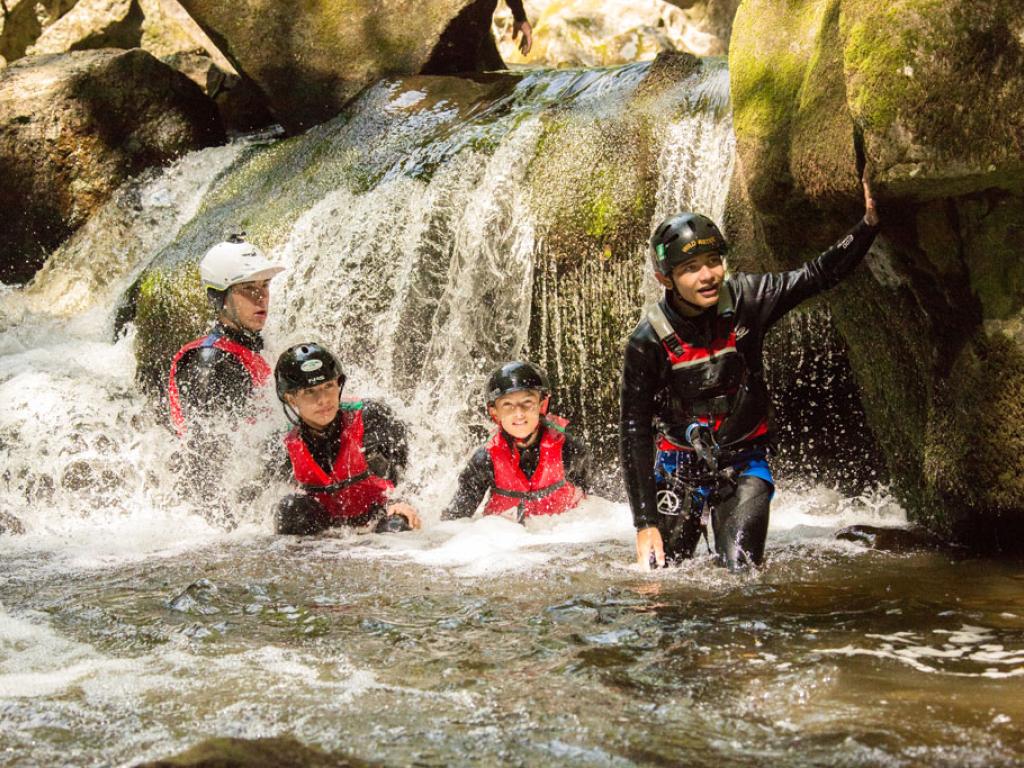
[474,482]
[577,462]
[775,294]
[210,383]
[518,12]
[385,441]
[640,374]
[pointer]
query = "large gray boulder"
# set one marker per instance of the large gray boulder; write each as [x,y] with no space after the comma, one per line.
[310,59]
[73,127]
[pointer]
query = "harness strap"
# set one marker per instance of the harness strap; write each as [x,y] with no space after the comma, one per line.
[339,486]
[540,493]
[662,326]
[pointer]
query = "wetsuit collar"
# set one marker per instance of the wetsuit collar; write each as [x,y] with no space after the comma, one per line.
[250,339]
[724,307]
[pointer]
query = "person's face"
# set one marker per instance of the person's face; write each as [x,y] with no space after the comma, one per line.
[247,303]
[317,406]
[518,413]
[698,279]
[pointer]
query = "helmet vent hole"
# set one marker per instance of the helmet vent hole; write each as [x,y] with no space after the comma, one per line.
[675,236]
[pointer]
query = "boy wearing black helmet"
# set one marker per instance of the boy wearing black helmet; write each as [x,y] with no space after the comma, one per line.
[531,465]
[694,406]
[345,455]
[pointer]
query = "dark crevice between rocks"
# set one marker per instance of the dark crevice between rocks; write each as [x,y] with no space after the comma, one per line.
[467,44]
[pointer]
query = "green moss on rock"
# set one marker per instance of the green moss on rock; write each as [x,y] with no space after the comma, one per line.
[171,309]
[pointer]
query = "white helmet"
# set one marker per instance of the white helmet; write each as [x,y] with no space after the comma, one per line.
[235,261]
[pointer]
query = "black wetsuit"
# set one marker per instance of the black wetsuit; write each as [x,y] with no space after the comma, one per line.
[215,391]
[477,477]
[385,446]
[212,382]
[649,406]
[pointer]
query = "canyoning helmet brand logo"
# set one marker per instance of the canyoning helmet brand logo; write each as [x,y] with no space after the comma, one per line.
[312,365]
[699,242]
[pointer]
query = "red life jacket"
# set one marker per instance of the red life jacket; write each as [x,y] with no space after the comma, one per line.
[350,490]
[252,361]
[686,357]
[547,492]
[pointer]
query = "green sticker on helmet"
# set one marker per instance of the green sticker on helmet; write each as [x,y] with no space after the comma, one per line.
[660,249]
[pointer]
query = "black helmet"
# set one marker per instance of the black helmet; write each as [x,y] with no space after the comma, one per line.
[305,365]
[679,237]
[514,377]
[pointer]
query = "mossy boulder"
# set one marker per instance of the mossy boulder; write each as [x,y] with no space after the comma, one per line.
[928,96]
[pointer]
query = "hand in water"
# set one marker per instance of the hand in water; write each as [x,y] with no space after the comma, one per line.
[648,544]
[406,511]
[527,31]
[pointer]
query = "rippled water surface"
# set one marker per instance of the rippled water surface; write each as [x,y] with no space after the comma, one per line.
[481,642]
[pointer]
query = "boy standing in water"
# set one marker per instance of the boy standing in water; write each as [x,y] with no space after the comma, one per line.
[694,406]
[345,456]
[531,465]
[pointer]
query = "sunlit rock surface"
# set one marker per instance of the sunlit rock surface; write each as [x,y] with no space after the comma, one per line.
[310,59]
[88,121]
[22,21]
[592,33]
[931,96]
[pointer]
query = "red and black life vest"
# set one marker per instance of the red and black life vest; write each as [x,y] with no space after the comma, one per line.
[547,492]
[710,384]
[351,490]
[252,361]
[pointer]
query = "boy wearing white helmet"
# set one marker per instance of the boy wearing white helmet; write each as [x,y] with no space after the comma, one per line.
[217,373]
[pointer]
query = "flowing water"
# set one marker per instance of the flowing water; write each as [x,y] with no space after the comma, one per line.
[132,627]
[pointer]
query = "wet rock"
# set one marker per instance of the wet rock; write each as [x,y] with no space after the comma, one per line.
[278,752]
[197,598]
[323,54]
[932,320]
[10,525]
[890,539]
[88,120]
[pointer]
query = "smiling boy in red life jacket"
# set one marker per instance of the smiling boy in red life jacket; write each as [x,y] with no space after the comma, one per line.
[531,465]
[345,455]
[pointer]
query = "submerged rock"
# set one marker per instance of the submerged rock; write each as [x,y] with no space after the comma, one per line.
[74,127]
[930,96]
[276,752]
[890,539]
